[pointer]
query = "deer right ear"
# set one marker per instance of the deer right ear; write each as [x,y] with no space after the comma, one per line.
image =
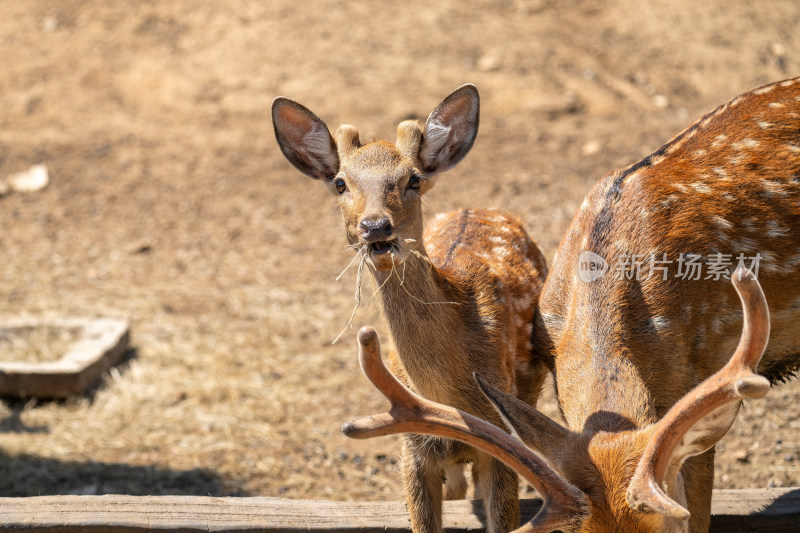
[304,139]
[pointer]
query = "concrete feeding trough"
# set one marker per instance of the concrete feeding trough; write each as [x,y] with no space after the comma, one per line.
[70,354]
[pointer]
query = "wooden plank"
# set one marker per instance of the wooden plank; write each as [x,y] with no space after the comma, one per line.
[775,510]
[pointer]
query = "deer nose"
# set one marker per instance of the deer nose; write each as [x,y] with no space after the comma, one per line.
[376,230]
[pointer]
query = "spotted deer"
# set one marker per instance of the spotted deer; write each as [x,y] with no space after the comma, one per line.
[638,341]
[458,301]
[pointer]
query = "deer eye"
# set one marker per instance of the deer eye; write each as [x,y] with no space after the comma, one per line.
[340,186]
[413,182]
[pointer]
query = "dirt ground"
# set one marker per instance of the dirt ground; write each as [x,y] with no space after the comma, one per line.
[171,206]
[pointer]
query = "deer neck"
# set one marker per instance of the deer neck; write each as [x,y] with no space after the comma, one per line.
[604,394]
[602,383]
[418,304]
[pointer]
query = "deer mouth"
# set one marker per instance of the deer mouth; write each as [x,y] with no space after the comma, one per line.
[381,247]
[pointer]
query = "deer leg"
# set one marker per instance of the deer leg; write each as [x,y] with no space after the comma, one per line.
[698,474]
[455,483]
[422,481]
[498,487]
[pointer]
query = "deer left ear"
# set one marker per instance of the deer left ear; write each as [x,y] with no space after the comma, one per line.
[450,130]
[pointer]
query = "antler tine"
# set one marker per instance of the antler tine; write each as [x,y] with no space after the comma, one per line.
[736,381]
[564,506]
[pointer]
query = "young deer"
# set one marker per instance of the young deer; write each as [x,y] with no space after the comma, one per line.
[462,303]
[628,340]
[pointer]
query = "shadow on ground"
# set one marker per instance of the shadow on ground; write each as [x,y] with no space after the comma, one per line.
[26,475]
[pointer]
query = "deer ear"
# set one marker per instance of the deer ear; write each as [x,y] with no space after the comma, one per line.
[450,130]
[304,139]
[535,429]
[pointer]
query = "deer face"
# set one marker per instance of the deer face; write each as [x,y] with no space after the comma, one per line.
[379,193]
[602,465]
[379,184]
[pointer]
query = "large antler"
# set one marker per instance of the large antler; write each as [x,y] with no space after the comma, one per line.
[564,507]
[698,420]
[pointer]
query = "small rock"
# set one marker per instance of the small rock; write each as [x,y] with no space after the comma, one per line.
[591,148]
[49,24]
[489,63]
[660,101]
[777,49]
[743,456]
[34,179]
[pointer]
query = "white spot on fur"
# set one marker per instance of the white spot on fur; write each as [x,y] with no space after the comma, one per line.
[774,230]
[700,153]
[793,147]
[773,188]
[674,147]
[764,90]
[706,121]
[764,125]
[722,223]
[659,323]
[524,302]
[669,200]
[700,187]
[746,143]
[719,140]
[776,105]
[744,245]
[681,187]
[749,224]
[788,83]
[653,162]
[768,263]
[721,172]
[621,245]
[501,252]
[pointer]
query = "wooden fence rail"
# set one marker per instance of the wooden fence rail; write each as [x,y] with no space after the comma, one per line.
[774,510]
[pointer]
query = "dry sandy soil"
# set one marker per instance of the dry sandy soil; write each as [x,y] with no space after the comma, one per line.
[171,206]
